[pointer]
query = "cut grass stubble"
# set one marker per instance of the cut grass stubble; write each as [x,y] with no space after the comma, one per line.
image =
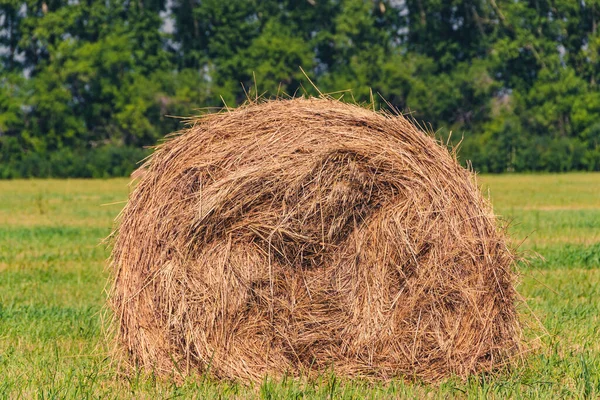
[52,279]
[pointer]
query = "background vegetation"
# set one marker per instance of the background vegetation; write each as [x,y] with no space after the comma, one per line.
[52,275]
[86,84]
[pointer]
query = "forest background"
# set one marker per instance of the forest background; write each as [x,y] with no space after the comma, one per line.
[87,85]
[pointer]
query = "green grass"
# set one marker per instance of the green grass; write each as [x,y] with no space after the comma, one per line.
[52,280]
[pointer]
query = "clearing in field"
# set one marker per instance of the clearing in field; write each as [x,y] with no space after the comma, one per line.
[52,276]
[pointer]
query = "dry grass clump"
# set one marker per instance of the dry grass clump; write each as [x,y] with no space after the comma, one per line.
[294,236]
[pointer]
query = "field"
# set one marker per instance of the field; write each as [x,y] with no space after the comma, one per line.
[52,281]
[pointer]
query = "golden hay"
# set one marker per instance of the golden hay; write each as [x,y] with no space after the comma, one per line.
[293,236]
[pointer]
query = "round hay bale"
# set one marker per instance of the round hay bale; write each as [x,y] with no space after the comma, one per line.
[294,236]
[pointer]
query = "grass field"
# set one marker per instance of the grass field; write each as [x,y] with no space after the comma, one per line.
[52,277]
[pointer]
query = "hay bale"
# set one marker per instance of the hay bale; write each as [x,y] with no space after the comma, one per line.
[299,235]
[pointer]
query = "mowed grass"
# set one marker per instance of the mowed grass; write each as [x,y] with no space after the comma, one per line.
[53,276]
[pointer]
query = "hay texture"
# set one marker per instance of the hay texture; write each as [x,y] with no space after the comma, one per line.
[295,236]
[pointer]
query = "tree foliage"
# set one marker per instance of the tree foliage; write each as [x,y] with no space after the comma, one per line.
[86,84]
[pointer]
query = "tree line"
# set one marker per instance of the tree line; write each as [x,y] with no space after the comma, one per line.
[85,85]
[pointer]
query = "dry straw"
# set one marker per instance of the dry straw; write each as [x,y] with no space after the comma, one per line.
[294,236]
